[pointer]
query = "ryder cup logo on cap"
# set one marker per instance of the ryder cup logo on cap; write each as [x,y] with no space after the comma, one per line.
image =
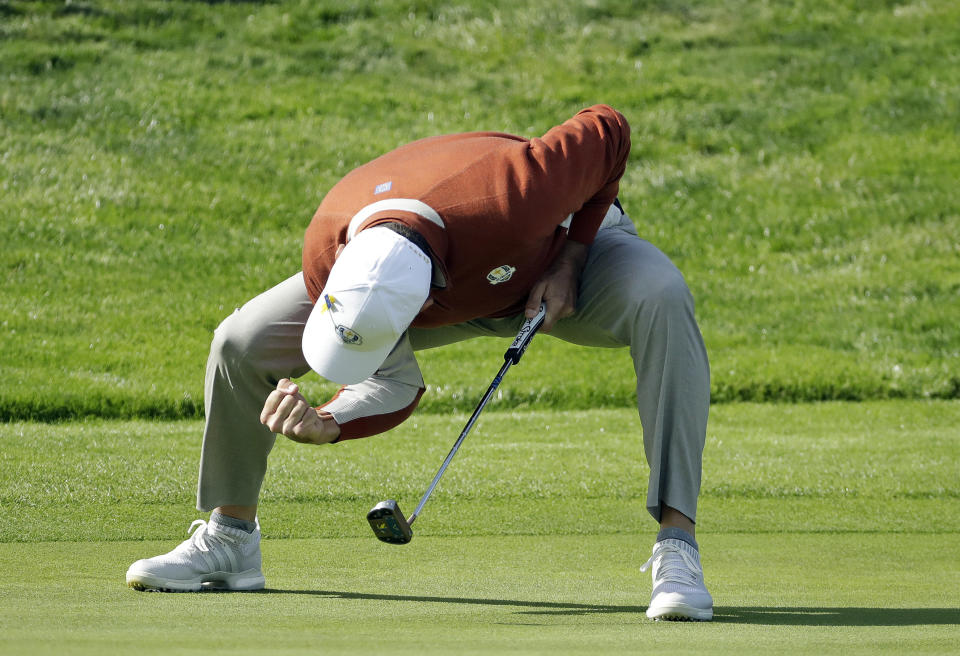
[375,289]
[348,336]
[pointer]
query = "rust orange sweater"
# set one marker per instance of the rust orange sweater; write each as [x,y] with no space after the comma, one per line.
[490,206]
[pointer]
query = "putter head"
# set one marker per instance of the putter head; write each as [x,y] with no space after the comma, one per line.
[389,524]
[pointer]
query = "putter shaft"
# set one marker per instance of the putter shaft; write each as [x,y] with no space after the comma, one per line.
[386,519]
[463,434]
[511,357]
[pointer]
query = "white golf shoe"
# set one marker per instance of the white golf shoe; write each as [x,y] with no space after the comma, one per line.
[678,589]
[214,557]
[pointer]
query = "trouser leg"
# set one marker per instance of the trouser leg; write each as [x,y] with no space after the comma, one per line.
[252,350]
[632,295]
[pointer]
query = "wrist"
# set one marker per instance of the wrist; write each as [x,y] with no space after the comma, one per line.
[574,253]
[329,427]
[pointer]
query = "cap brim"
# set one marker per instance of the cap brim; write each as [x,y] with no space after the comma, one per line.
[333,359]
[374,290]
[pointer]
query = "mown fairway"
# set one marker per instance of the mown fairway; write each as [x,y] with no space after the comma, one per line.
[159,162]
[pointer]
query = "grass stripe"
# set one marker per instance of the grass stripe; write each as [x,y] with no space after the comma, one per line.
[833,467]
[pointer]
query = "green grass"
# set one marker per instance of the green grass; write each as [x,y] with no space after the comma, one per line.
[161,160]
[767,467]
[809,468]
[824,528]
[485,595]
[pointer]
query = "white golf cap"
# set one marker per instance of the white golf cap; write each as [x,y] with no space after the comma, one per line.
[375,289]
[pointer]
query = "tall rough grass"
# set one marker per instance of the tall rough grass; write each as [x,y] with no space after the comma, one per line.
[160,160]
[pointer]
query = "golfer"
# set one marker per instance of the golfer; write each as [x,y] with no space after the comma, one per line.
[441,240]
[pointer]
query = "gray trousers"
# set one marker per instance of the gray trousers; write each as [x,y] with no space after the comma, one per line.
[630,295]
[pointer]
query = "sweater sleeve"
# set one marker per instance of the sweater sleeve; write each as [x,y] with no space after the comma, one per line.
[585,158]
[382,401]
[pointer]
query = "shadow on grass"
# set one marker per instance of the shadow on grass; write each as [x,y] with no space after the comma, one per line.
[836,616]
[787,616]
[542,607]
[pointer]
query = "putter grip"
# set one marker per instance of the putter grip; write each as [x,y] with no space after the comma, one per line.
[527,331]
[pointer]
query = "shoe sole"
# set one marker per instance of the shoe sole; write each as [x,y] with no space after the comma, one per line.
[680,613]
[217,581]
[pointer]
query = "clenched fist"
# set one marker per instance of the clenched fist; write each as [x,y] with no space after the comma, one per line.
[287,412]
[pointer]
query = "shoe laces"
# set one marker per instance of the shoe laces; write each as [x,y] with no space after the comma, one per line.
[205,540]
[673,564]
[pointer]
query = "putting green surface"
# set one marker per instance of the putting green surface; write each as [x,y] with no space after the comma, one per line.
[495,594]
[825,528]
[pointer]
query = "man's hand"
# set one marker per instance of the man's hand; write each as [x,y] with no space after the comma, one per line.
[287,412]
[558,285]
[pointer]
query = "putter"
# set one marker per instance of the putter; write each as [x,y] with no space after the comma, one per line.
[386,519]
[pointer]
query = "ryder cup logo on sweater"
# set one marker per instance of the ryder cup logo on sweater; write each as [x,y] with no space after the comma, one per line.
[501,274]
